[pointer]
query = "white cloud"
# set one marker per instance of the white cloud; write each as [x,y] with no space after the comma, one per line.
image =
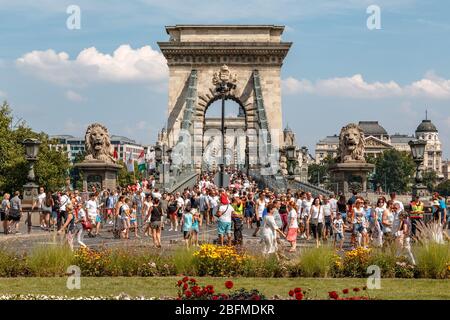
[431,86]
[124,65]
[73,96]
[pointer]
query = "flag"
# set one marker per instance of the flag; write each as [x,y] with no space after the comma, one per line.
[115,155]
[141,161]
[130,163]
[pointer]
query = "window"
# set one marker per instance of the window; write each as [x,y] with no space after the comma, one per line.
[430,163]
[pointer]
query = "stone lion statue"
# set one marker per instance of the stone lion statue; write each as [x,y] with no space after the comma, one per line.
[98,144]
[351,144]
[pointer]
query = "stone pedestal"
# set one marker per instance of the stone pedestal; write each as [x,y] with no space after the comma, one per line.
[344,175]
[99,174]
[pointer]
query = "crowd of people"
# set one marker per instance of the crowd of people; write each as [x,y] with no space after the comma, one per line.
[142,210]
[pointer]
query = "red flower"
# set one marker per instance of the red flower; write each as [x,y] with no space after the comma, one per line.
[179,283]
[229,284]
[296,290]
[193,280]
[224,296]
[188,294]
[199,294]
[215,297]
[185,286]
[185,279]
[299,296]
[355,289]
[195,289]
[333,295]
[255,297]
[345,291]
[291,293]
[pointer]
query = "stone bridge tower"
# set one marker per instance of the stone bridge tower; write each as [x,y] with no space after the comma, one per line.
[253,54]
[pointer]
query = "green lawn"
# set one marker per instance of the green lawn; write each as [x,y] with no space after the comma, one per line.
[406,289]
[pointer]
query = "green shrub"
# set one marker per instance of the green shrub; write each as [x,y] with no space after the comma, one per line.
[316,262]
[184,261]
[12,265]
[432,260]
[386,262]
[45,261]
[264,267]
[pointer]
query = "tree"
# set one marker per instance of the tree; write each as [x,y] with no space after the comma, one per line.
[318,172]
[394,171]
[430,178]
[443,188]
[51,169]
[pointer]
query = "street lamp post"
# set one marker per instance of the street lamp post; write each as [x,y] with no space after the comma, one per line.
[417,153]
[223,89]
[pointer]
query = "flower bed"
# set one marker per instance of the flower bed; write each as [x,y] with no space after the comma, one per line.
[224,261]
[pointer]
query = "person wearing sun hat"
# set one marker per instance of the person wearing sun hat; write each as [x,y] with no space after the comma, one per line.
[437,213]
[224,214]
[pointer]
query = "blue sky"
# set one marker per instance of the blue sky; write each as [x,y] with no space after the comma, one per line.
[338,71]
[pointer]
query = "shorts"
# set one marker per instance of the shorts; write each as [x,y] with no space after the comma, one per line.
[195,229]
[358,228]
[132,220]
[155,225]
[224,228]
[14,217]
[54,215]
[186,235]
[3,216]
[338,236]
[109,212]
[248,213]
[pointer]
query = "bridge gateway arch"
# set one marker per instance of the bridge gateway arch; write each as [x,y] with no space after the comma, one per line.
[198,56]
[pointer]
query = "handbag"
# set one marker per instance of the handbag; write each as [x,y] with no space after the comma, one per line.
[87,225]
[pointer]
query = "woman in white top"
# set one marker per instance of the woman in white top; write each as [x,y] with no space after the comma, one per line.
[269,232]
[292,225]
[388,221]
[358,214]
[375,226]
[146,210]
[260,206]
[316,220]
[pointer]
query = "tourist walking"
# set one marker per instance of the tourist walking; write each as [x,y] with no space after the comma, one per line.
[15,213]
[4,212]
[224,214]
[270,229]
[292,226]
[403,238]
[338,231]
[155,223]
[316,220]
[237,219]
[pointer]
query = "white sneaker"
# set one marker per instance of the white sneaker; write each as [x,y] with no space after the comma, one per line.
[176,229]
[170,229]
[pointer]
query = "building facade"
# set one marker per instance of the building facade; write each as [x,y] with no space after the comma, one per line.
[123,146]
[377,140]
[446,169]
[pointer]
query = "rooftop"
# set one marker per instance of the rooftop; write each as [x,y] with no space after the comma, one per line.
[426,126]
[372,128]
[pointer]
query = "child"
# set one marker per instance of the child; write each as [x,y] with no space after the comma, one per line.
[186,222]
[195,227]
[133,220]
[338,231]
